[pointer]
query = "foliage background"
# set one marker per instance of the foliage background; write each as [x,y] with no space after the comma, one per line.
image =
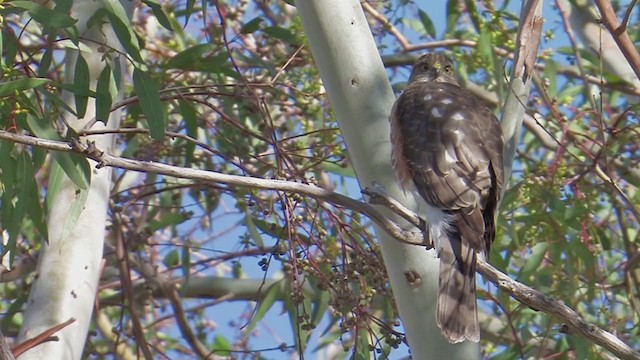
[232,87]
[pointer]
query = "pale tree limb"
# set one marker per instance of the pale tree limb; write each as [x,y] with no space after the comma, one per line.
[523,293]
[69,262]
[514,109]
[361,97]
[587,24]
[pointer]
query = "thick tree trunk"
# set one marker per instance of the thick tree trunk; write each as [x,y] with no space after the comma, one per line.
[69,265]
[358,88]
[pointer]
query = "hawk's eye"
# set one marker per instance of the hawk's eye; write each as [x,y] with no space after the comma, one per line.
[424,67]
[448,69]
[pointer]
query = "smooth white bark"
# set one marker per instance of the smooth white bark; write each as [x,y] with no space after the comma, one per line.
[359,90]
[69,266]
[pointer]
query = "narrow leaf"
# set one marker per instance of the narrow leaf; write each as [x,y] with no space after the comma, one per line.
[221,346]
[10,87]
[283,34]
[149,97]
[251,26]
[159,13]
[201,57]
[81,82]
[253,231]
[429,28]
[75,210]
[104,99]
[269,298]
[171,259]
[122,27]
[453,13]
[191,123]
[44,15]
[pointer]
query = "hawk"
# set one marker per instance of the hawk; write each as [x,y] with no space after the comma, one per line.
[447,146]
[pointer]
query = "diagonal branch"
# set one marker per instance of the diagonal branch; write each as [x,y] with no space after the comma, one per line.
[519,291]
[620,34]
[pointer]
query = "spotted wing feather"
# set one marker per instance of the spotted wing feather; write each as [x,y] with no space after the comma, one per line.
[450,146]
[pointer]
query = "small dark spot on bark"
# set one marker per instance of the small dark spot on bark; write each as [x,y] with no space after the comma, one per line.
[413,278]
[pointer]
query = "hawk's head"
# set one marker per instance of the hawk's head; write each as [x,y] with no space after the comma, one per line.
[433,67]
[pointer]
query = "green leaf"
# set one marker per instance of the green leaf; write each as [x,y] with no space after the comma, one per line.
[44,15]
[472,10]
[11,87]
[149,98]
[24,176]
[185,260]
[189,10]
[172,258]
[253,231]
[429,28]
[283,34]
[534,260]
[159,13]
[81,82]
[551,75]
[453,13]
[271,295]
[485,46]
[45,62]
[201,57]
[168,219]
[321,302]
[122,27]
[361,351]
[251,26]
[74,165]
[191,124]
[221,346]
[75,210]
[104,100]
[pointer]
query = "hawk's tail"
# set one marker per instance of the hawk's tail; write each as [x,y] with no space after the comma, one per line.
[456,312]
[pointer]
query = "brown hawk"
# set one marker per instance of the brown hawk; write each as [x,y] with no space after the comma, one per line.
[447,147]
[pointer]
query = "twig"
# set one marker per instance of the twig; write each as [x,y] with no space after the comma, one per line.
[538,301]
[576,51]
[385,22]
[41,338]
[620,35]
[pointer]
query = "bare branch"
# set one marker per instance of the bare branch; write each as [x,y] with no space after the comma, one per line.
[620,35]
[104,159]
[519,291]
[556,308]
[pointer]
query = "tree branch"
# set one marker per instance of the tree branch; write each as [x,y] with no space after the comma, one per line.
[519,291]
[620,35]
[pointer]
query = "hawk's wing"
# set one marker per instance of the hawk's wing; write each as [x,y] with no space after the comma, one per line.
[449,145]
